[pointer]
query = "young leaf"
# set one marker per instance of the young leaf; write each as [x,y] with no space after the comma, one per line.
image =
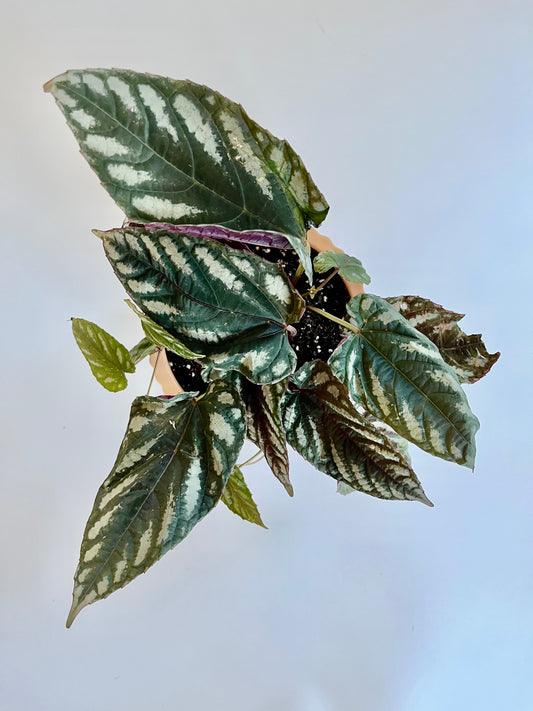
[170,471]
[175,151]
[399,376]
[232,306]
[467,355]
[109,360]
[324,427]
[160,337]
[349,268]
[141,350]
[264,427]
[238,498]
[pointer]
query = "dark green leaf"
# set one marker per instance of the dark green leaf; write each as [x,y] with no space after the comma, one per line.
[109,360]
[349,268]
[323,425]
[144,348]
[230,305]
[238,498]
[467,355]
[175,151]
[170,471]
[400,377]
[264,427]
[160,337]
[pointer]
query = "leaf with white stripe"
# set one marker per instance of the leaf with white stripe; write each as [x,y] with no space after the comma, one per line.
[349,268]
[108,359]
[232,306]
[238,498]
[141,350]
[171,470]
[264,426]
[178,152]
[466,354]
[323,426]
[399,376]
[161,338]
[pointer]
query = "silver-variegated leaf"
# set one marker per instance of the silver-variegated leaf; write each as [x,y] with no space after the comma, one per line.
[141,350]
[399,376]
[466,354]
[108,359]
[178,152]
[161,338]
[349,268]
[232,306]
[323,426]
[264,425]
[171,470]
[238,498]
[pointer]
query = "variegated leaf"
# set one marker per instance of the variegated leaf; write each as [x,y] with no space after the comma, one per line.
[264,426]
[170,471]
[160,337]
[400,377]
[349,268]
[467,355]
[108,359]
[232,306]
[141,350]
[175,151]
[323,426]
[238,498]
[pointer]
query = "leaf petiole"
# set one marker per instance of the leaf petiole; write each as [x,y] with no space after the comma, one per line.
[253,459]
[344,324]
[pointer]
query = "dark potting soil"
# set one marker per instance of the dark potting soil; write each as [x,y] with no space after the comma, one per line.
[316,336]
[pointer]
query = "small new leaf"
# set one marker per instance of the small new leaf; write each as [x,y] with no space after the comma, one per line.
[467,355]
[399,376]
[161,338]
[108,359]
[349,268]
[238,498]
[171,470]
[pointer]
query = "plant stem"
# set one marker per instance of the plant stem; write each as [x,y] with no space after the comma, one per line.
[252,458]
[153,371]
[344,324]
[298,274]
[313,291]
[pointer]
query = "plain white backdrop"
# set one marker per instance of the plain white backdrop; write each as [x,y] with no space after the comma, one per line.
[415,119]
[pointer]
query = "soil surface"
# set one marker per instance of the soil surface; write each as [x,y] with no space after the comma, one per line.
[316,336]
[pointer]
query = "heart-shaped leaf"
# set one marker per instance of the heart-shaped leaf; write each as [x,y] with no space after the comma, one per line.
[232,306]
[170,471]
[238,498]
[160,337]
[349,268]
[467,355]
[262,404]
[109,360]
[175,151]
[323,425]
[400,377]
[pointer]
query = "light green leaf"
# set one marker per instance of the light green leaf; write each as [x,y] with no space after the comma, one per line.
[228,304]
[323,426]
[264,426]
[238,498]
[170,471]
[467,355]
[160,337]
[141,350]
[349,268]
[108,359]
[399,376]
[178,152]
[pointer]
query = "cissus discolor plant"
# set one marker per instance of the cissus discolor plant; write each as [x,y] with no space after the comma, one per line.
[207,192]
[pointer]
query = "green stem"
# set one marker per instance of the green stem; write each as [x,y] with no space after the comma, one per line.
[252,458]
[153,371]
[298,274]
[344,324]
[313,291]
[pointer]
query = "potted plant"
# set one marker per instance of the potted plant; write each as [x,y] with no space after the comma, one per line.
[267,340]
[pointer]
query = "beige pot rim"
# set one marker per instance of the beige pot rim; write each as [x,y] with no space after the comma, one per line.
[163,373]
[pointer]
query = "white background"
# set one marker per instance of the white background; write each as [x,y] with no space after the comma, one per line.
[415,119]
